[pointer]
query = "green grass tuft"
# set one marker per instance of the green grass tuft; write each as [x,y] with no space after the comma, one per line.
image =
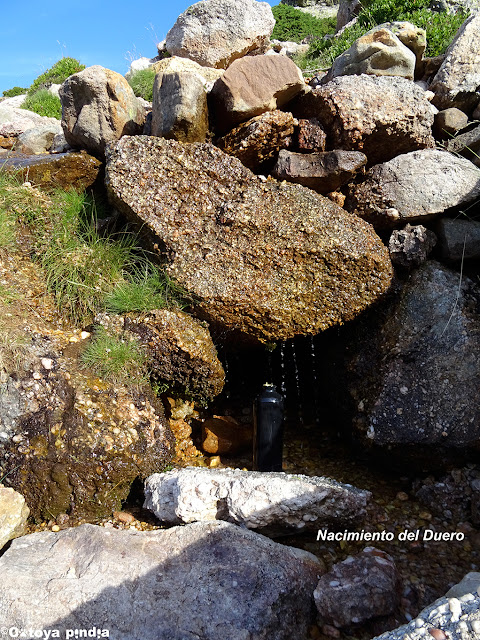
[44,103]
[57,74]
[294,25]
[14,91]
[7,230]
[142,83]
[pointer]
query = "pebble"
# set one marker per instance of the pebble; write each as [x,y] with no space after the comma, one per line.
[437,634]
[55,528]
[330,631]
[47,363]
[123,516]
[456,609]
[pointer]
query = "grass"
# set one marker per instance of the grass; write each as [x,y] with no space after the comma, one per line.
[14,91]
[57,74]
[142,83]
[7,231]
[44,103]
[294,25]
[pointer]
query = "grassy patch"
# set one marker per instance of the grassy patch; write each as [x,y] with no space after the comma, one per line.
[142,83]
[14,91]
[7,230]
[44,103]
[57,74]
[294,25]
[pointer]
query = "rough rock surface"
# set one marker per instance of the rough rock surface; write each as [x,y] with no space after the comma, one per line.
[38,139]
[179,106]
[277,502]
[209,75]
[98,107]
[452,496]
[448,122]
[311,135]
[416,375]
[207,581]
[458,79]
[251,86]
[467,144]
[13,515]
[380,116]
[267,259]
[410,35]
[411,246]
[259,139]
[223,435]
[347,10]
[414,186]
[322,172]
[459,239]
[359,588]
[214,33]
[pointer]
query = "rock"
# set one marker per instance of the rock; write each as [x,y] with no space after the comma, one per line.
[469,584]
[450,497]
[98,107]
[290,49]
[449,122]
[411,246]
[208,75]
[458,79]
[251,86]
[347,10]
[467,144]
[311,135]
[179,107]
[206,580]
[77,170]
[379,52]
[476,113]
[259,139]
[380,116]
[139,65]
[411,36]
[459,239]
[415,378]
[60,144]
[322,172]
[38,139]
[7,142]
[266,259]
[277,502]
[415,186]
[223,435]
[13,515]
[214,33]
[358,589]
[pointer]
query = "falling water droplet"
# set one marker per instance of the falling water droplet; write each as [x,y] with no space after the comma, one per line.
[297,384]
[313,357]
[283,380]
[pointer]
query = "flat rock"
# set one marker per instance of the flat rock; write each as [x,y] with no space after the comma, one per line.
[459,239]
[411,246]
[204,581]
[277,502]
[266,259]
[38,139]
[413,187]
[214,33]
[323,172]
[259,139]
[379,115]
[13,515]
[98,107]
[458,80]
[251,86]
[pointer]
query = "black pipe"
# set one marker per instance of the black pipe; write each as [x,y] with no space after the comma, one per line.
[268,414]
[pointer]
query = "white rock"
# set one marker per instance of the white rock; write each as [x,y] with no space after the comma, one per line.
[13,515]
[39,139]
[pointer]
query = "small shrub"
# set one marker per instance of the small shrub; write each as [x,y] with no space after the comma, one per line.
[142,83]
[44,103]
[294,25]
[14,91]
[7,230]
[57,74]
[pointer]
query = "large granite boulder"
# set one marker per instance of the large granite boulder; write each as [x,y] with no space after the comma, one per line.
[379,115]
[175,64]
[13,515]
[458,79]
[214,33]
[98,107]
[208,581]
[414,186]
[267,259]
[277,502]
[415,376]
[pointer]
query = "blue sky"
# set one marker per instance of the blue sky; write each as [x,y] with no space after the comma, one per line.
[35,34]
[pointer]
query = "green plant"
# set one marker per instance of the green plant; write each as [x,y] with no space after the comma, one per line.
[44,103]
[295,25]
[57,74]
[14,91]
[7,229]
[142,83]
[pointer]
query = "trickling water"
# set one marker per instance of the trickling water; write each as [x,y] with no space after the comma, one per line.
[297,384]
[283,381]
[313,357]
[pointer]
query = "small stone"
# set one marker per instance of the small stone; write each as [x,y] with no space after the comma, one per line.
[437,634]
[124,517]
[214,462]
[329,630]
[85,334]
[402,496]
[55,528]
[47,363]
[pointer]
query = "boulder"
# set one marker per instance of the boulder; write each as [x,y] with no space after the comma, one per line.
[214,33]
[259,139]
[266,259]
[411,246]
[38,139]
[449,122]
[14,121]
[311,136]
[323,172]
[98,107]
[139,65]
[458,80]
[277,502]
[379,115]
[411,36]
[179,107]
[469,584]
[290,49]
[208,581]
[358,589]
[208,75]
[347,10]
[458,239]
[13,515]
[251,86]
[415,378]
[451,497]
[223,435]
[414,186]
[466,144]
[379,52]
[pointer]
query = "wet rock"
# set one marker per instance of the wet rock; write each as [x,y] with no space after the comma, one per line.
[98,107]
[448,122]
[77,171]
[411,246]
[223,435]
[467,144]
[457,82]
[413,187]
[311,135]
[449,497]
[214,33]
[380,116]
[322,172]
[209,580]
[416,376]
[459,239]
[38,139]
[358,589]
[251,86]
[277,502]
[259,139]
[266,259]
[13,515]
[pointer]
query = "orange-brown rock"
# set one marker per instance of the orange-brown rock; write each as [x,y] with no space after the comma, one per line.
[223,435]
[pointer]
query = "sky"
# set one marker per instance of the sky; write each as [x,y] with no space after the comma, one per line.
[35,34]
